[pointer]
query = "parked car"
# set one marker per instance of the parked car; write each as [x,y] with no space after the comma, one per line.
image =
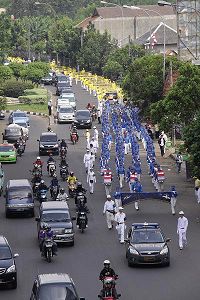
[56,214]
[48,143]
[11,133]
[8,153]
[19,198]
[46,286]
[18,114]
[146,244]
[8,269]
[65,114]
[61,86]
[83,119]
[47,80]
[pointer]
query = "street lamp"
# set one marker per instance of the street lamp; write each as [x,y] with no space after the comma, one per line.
[164,31]
[122,14]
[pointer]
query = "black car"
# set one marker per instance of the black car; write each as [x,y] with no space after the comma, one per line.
[48,143]
[60,78]
[83,119]
[8,270]
[146,244]
[47,80]
[54,286]
[63,85]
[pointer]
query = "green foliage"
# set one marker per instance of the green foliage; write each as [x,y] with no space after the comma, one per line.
[42,108]
[16,69]
[182,101]
[5,73]
[13,88]
[35,72]
[35,91]
[33,99]
[112,69]
[3,103]
[143,83]
[192,143]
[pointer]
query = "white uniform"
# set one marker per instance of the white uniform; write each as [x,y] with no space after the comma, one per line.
[96,136]
[95,145]
[62,197]
[181,231]
[109,210]
[92,160]
[91,179]
[120,219]
[173,204]
[86,160]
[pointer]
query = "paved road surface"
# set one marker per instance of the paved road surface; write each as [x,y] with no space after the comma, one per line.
[84,260]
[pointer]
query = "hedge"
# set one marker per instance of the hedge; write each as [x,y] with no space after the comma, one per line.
[13,88]
[33,99]
[35,91]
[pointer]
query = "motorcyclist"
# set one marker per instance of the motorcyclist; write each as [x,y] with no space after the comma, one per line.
[80,188]
[82,208]
[80,197]
[62,196]
[38,162]
[74,131]
[54,183]
[19,142]
[36,179]
[62,164]
[49,129]
[71,179]
[50,160]
[94,109]
[46,233]
[109,289]
[42,186]
[63,144]
[107,271]
[89,106]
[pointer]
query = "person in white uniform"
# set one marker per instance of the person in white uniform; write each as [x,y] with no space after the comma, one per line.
[109,210]
[91,180]
[120,219]
[182,229]
[86,160]
[94,144]
[96,135]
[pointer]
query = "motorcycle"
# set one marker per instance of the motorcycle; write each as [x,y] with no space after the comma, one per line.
[94,116]
[64,172]
[51,168]
[20,149]
[35,187]
[48,249]
[42,196]
[72,190]
[74,138]
[54,192]
[109,298]
[82,221]
[63,153]
[112,279]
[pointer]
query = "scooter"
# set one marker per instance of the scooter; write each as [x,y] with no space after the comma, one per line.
[74,138]
[64,172]
[48,249]
[54,192]
[20,149]
[63,153]
[82,221]
[42,196]
[72,190]
[51,168]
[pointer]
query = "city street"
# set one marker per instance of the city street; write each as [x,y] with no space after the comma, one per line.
[84,261]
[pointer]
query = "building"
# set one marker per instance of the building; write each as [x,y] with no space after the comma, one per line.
[124,24]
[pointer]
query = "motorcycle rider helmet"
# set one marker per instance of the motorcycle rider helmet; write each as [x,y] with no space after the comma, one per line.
[38,158]
[63,140]
[44,226]
[42,181]
[49,129]
[106,264]
[50,154]
[79,185]
[62,191]
[71,174]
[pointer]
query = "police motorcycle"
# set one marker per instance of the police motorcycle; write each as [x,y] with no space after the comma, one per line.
[109,292]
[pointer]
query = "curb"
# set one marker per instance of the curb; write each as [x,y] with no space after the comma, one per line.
[29,113]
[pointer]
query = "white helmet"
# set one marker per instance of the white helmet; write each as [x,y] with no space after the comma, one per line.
[106,262]
[120,208]
[38,158]
[181,212]
[108,197]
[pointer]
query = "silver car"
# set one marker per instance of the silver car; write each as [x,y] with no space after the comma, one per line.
[65,114]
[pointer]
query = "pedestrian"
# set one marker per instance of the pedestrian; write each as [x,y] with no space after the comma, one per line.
[136,188]
[91,180]
[126,144]
[156,128]
[197,189]
[87,136]
[162,142]
[173,200]
[99,116]
[94,144]
[86,160]
[109,210]
[118,201]
[92,160]
[121,175]
[107,180]
[182,229]
[120,219]
[179,161]
[96,135]
[50,107]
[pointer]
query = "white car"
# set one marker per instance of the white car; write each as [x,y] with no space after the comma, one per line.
[63,102]
[71,98]
[65,114]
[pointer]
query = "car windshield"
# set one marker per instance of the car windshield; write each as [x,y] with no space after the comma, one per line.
[48,138]
[19,115]
[6,148]
[19,193]
[22,125]
[66,110]
[55,217]
[147,236]
[5,253]
[57,291]
[83,114]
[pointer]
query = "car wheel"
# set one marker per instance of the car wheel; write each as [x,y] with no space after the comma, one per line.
[32,214]
[14,284]
[167,264]
[130,264]
[72,243]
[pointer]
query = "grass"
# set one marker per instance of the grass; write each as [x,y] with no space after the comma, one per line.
[35,91]
[40,108]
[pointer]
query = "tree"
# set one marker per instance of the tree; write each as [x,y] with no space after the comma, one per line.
[143,83]
[16,69]
[5,73]
[181,104]
[3,103]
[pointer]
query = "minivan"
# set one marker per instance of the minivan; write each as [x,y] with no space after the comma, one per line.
[48,143]
[19,198]
[56,214]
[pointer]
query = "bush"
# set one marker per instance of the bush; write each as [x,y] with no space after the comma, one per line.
[14,88]
[3,103]
[33,99]
[36,91]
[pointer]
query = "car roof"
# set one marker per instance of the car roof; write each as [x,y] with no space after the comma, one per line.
[48,133]
[65,106]
[3,240]
[54,278]
[18,182]
[54,205]
[145,225]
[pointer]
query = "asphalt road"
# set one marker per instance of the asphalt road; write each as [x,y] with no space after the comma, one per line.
[84,261]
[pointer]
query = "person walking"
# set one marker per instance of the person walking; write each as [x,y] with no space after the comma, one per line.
[179,161]
[94,144]
[136,188]
[162,141]
[120,219]
[182,229]
[107,180]
[99,116]
[91,180]
[173,200]
[86,160]
[50,107]
[96,135]
[197,188]
[121,175]
[109,210]
[87,136]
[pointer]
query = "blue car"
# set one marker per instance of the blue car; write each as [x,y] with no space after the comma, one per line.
[18,115]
